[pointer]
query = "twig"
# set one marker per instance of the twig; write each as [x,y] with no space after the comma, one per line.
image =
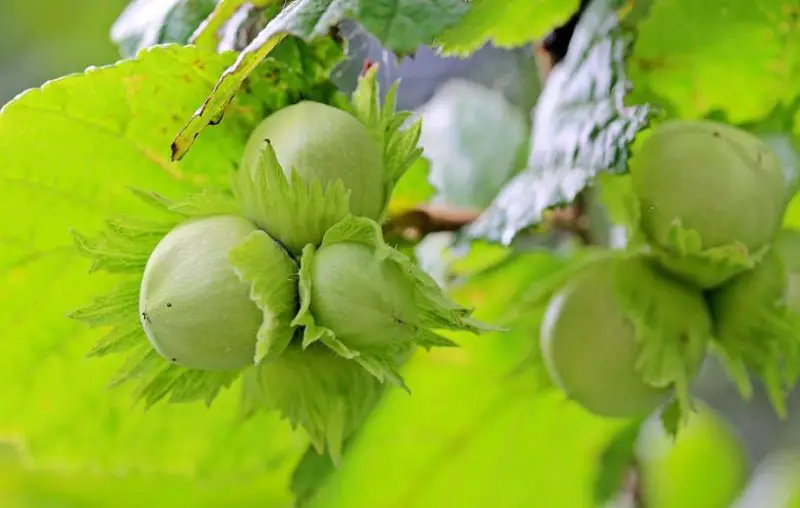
[415,224]
[423,220]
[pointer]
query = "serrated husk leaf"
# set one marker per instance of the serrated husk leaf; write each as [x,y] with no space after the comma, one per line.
[709,267]
[433,309]
[111,308]
[313,388]
[121,338]
[400,141]
[206,204]
[126,242]
[261,261]
[672,325]
[290,210]
[672,417]
[756,331]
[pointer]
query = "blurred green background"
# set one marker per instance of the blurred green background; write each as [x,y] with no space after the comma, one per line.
[46,39]
[470,436]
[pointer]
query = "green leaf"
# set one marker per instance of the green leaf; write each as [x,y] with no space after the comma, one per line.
[262,262]
[182,21]
[145,23]
[751,47]
[69,152]
[110,308]
[310,474]
[616,460]
[25,486]
[504,23]
[404,25]
[291,210]
[401,25]
[474,139]
[125,246]
[105,133]
[121,338]
[671,417]
[581,126]
[205,204]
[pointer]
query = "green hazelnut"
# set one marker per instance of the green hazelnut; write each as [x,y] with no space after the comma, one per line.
[719,181]
[591,345]
[323,142]
[365,300]
[195,309]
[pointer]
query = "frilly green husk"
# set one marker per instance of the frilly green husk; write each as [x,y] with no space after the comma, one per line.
[124,247]
[757,332]
[272,275]
[392,130]
[707,268]
[672,324]
[297,212]
[434,309]
[313,387]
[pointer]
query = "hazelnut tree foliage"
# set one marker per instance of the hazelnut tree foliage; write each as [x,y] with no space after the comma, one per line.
[228,227]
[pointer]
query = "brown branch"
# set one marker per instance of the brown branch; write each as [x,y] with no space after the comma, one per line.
[423,220]
[415,224]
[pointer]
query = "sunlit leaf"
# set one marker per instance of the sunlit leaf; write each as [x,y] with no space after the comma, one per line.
[738,56]
[505,23]
[68,154]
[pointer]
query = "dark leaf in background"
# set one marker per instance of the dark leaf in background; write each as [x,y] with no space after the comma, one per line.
[581,126]
[475,141]
[145,23]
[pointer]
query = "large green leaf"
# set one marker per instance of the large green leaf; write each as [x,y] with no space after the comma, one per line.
[21,487]
[402,25]
[581,126]
[505,23]
[739,56]
[68,153]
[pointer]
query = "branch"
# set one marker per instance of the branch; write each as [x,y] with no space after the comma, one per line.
[415,224]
